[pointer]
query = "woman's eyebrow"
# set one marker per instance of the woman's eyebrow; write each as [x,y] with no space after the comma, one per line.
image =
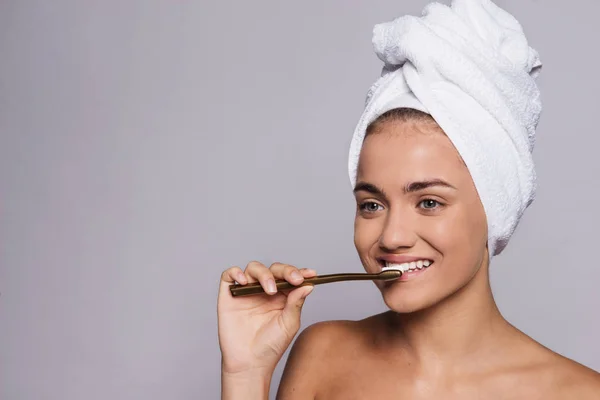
[370,188]
[420,185]
[409,188]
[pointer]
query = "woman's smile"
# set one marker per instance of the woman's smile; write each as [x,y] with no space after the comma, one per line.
[411,275]
[410,266]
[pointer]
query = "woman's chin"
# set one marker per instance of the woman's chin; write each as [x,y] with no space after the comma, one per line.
[403,303]
[404,307]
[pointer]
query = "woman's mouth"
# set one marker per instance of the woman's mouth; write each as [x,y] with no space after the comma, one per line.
[409,270]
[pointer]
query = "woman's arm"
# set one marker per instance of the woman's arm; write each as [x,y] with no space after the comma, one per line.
[248,387]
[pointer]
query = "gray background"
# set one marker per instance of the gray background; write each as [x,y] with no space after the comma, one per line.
[147,145]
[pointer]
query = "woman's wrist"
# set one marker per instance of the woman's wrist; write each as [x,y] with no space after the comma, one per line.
[251,385]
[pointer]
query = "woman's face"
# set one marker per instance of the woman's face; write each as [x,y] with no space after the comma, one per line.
[416,201]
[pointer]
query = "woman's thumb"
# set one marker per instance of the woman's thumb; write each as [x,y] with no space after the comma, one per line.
[293,308]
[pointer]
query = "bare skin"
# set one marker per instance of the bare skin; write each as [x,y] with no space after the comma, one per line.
[354,360]
[255,331]
[443,337]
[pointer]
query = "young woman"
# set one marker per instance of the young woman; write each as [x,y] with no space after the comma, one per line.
[424,207]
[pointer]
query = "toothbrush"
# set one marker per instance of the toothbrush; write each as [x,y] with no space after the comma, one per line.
[256,288]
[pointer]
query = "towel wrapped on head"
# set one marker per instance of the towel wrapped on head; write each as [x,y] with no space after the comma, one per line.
[471,68]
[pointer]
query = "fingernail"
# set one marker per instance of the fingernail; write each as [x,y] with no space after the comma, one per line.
[241,278]
[308,292]
[271,287]
[296,276]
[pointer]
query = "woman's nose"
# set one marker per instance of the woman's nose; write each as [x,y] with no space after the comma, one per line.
[398,232]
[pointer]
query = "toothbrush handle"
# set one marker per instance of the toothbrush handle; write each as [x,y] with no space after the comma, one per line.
[256,288]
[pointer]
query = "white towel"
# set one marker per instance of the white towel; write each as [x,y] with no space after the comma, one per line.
[469,66]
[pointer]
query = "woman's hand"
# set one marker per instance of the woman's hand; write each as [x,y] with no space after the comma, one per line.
[255,331]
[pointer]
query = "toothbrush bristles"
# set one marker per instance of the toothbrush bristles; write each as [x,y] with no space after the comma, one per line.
[390,274]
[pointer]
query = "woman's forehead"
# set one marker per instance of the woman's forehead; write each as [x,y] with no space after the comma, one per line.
[409,149]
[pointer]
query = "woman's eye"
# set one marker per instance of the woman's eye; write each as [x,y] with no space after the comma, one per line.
[429,204]
[369,206]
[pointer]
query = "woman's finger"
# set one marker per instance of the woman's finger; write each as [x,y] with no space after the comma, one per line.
[287,272]
[231,275]
[258,272]
[308,272]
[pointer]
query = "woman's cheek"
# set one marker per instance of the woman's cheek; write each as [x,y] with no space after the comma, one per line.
[440,233]
[366,233]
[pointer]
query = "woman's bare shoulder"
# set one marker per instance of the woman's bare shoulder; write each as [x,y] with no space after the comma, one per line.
[563,377]
[575,380]
[317,354]
[329,337]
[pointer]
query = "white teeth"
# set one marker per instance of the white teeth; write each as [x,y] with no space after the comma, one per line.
[399,267]
[411,266]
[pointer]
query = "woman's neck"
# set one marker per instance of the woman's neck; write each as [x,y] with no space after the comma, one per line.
[461,332]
